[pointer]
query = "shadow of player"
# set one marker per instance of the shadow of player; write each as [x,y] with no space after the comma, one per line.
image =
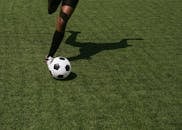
[88,49]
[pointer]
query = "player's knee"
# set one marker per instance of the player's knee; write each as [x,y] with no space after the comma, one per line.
[62,21]
[61,25]
[64,17]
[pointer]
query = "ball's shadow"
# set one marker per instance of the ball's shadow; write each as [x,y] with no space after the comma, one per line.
[70,77]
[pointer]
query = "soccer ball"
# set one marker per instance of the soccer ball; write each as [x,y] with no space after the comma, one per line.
[60,68]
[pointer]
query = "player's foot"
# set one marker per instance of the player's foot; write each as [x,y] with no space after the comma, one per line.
[53,5]
[48,60]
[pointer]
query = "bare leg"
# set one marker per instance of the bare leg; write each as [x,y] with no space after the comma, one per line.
[65,14]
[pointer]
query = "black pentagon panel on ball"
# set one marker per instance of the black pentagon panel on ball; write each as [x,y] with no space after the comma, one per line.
[61,58]
[67,68]
[56,66]
[60,76]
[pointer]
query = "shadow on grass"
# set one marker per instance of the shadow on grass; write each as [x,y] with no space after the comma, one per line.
[88,49]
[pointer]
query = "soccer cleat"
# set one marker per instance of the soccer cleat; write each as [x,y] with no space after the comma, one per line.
[48,61]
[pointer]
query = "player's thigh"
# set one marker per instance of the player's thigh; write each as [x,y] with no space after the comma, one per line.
[67,10]
[72,3]
[68,6]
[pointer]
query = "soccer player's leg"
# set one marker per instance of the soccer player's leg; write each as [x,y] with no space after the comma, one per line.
[53,5]
[65,14]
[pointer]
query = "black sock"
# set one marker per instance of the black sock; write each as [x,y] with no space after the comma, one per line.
[56,41]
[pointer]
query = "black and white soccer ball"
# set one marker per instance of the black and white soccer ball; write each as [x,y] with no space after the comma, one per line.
[60,68]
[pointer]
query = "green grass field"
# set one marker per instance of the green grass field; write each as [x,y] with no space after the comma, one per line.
[126,66]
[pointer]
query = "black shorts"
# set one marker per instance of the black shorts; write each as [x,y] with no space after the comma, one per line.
[71,3]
